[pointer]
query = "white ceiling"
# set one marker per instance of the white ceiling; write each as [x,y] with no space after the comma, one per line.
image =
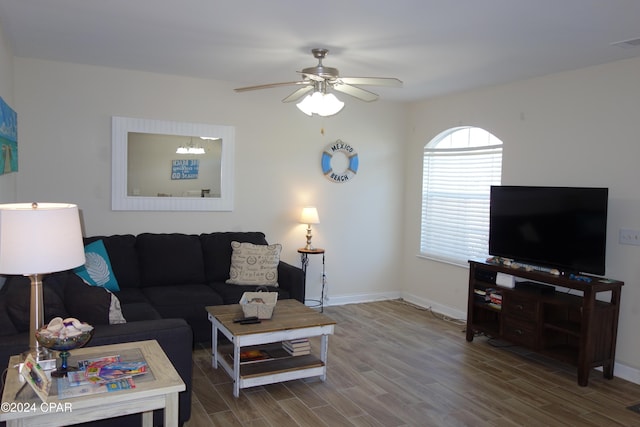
[434,46]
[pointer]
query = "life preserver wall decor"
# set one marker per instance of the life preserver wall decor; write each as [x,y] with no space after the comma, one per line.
[327,156]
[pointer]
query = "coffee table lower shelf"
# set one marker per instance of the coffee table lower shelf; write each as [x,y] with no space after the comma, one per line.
[282,367]
[290,320]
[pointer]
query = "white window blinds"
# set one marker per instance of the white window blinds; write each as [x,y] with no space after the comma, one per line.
[455,200]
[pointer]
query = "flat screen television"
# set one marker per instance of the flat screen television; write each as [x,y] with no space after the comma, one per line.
[554,227]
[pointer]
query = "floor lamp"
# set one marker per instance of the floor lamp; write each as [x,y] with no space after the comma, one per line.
[36,239]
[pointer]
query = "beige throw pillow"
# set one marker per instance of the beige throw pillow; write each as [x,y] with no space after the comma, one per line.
[254,264]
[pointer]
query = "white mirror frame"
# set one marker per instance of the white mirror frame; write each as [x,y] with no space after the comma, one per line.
[120,201]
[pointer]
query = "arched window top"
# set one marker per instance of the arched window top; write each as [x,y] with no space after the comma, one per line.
[460,165]
[463,137]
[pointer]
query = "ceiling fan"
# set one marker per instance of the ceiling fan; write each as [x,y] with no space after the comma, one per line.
[321,78]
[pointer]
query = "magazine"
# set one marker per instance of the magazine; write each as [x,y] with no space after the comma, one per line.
[100,375]
[66,391]
[250,356]
[115,370]
[98,361]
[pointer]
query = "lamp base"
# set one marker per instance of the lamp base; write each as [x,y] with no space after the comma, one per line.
[308,245]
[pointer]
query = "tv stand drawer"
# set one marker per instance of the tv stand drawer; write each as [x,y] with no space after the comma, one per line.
[521,332]
[521,305]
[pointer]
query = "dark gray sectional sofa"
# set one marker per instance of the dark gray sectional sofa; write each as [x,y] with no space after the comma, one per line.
[165,281]
[178,275]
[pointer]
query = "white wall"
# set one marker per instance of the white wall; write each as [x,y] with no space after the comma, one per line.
[65,138]
[577,128]
[8,189]
[573,128]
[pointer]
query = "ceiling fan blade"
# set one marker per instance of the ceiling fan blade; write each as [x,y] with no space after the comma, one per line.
[270,85]
[298,94]
[372,81]
[356,92]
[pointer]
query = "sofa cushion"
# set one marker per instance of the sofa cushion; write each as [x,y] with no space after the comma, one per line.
[186,302]
[97,270]
[216,248]
[170,259]
[131,295]
[163,298]
[18,299]
[6,325]
[254,264]
[137,311]
[89,304]
[123,257]
[231,294]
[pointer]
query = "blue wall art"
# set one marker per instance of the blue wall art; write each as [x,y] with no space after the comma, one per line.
[8,139]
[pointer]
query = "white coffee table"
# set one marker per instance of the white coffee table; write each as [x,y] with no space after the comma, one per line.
[158,391]
[291,320]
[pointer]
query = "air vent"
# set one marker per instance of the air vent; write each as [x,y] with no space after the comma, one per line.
[627,43]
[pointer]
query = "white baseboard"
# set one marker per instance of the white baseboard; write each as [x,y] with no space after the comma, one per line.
[435,306]
[358,298]
[620,370]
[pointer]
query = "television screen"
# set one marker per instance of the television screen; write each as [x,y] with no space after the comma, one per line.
[555,227]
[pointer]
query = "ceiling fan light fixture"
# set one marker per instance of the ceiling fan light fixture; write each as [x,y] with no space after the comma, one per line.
[322,104]
[191,148]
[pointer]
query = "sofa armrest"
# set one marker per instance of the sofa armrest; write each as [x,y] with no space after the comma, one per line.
[291,278]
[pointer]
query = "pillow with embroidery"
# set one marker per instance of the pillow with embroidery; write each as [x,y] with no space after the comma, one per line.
[254,264]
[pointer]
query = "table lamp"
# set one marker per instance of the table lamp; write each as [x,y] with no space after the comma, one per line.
[309,216]
[36,239]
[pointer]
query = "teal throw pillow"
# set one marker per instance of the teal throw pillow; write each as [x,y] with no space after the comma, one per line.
[97,269]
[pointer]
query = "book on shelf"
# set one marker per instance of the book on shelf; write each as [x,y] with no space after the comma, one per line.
[252,355]
[298,347]
[296,344]
[298,352]
[480,295]
[496,306]
[495,298]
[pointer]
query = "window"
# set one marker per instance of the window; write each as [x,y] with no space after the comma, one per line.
[460,165]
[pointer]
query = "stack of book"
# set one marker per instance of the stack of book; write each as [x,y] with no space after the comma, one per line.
[495,300]
[481,295]
[298,347]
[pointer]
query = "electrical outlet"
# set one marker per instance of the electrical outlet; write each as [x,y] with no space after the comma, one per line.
[629,237]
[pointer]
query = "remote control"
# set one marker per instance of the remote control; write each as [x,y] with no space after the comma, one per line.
[249,321]
[241,319]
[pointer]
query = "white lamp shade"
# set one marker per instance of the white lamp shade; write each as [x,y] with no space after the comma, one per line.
[39,240]
[309,216]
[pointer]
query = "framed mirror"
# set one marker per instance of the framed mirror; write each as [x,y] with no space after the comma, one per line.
[160,165]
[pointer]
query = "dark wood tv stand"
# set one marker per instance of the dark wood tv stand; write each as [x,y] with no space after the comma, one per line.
[577,329]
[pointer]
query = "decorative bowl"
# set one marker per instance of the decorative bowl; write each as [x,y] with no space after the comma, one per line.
[63,343]
[64,335]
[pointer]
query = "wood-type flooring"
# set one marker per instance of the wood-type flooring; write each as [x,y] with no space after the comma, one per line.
[394,364]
